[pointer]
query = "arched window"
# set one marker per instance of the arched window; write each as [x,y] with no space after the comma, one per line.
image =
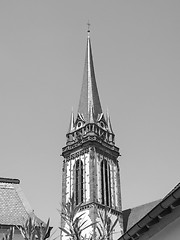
[78,181]
[102,182]
[105,183]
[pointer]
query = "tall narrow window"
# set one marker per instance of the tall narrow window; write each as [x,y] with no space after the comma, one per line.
[105,183]
[109,186]
[102,181]
[78,182]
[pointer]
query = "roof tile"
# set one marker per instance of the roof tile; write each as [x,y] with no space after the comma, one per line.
[14,207]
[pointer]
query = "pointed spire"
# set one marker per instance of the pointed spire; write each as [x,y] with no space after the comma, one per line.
[71,124]
[89,103]
[91,118]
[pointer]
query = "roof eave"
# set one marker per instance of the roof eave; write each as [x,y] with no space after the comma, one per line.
[170,202]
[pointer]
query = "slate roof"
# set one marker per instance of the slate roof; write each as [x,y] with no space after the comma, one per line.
[137,225]
[14,207]
[133,215]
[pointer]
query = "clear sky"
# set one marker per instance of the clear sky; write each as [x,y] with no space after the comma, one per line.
[136,50]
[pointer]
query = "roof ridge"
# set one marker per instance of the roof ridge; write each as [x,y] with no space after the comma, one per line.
[144,204]
[9,180]
[23,199]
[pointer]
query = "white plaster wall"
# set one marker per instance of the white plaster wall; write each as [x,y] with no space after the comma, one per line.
[112,183]
[68,181]
[71,178]
[88,231]
[118,230]
[87,179]
[116,186]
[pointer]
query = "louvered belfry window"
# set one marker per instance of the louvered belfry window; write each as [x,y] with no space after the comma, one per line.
[78,181]
[105,183]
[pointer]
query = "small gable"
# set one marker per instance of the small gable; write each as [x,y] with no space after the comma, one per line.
[133,215]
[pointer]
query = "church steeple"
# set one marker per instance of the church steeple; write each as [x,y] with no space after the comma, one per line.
[91,174]
[89,103]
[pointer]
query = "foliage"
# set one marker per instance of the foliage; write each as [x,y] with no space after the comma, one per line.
[30,231]
[9,235]
[105,227]
[73,219]
[33,231]
[75,224]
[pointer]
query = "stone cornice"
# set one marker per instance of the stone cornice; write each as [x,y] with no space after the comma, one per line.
[88,141]
[100,206]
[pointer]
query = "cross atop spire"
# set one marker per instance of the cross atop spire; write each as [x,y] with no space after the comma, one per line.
[89,103]
[88,24]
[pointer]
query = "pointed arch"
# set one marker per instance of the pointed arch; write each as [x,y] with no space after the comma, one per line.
[102,182]
[78,181]
[105,183]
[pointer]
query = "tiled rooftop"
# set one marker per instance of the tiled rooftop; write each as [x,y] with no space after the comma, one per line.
[14,207]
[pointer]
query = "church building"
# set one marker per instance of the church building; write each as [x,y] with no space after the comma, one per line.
[91,174]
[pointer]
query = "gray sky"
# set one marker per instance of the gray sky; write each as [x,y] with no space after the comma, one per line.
[136,50]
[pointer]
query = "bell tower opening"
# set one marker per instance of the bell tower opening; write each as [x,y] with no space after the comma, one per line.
[105,183]
[78,181]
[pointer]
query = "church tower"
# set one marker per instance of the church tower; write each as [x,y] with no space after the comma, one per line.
[91,172]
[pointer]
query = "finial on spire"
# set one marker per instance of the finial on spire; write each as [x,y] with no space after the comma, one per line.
[71,124]
[108,120]
[88,24]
